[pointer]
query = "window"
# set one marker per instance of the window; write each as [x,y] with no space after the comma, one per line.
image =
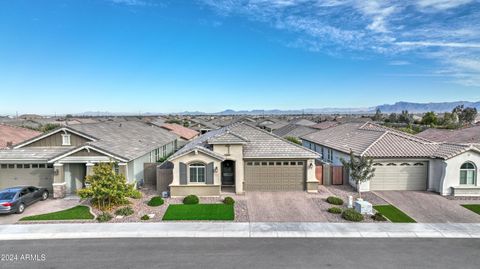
[249,163]
[264,163]
[4,166]
[41,165]
[329,155]
[468,174]
[11,166]
[278,163]
[377,164]
[271,163]
[19,165]
[391,164]
[35,165]
[50,165]
[300,163]
[418,164]
[197,172]
[285,163]
[26,166]
[293,163]
[66,140]
[405,164]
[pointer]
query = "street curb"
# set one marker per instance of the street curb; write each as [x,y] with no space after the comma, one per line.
[239,230]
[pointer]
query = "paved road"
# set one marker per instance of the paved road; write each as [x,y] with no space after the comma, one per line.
[429,207]
[246,253]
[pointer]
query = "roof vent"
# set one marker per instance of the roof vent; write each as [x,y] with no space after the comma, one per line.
[120,125]
[9,144]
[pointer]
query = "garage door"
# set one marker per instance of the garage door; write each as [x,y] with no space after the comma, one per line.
[410,176]
[287,175]
[26,174]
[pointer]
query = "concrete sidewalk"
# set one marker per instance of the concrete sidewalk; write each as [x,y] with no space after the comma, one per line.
[223,229]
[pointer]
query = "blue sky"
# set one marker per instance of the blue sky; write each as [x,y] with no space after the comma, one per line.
[169,56]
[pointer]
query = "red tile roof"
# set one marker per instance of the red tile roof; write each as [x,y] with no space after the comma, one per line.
[181,131]
[15,135]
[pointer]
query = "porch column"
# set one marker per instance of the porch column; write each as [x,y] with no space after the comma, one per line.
[123,170]
[311,180]
[89,168]
[59,184]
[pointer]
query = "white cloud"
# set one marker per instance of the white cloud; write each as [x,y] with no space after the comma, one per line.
[130,2]
[399,62]
[442,4]
[438,44]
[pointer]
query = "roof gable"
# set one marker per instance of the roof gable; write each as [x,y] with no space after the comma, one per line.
[52,133]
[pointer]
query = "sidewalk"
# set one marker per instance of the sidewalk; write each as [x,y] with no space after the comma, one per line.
[223,229]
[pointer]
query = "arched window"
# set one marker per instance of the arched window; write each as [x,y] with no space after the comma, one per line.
[197,172]
[468,174]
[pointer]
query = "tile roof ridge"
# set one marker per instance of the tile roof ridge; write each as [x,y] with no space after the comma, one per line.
[374,142]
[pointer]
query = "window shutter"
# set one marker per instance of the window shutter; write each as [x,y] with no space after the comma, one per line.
[209,172]
[183,174]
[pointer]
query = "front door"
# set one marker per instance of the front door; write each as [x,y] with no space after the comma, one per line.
[228,173]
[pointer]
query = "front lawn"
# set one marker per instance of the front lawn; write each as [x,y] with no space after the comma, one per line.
[393,214]
[200,212]
[79,212]
[474,208]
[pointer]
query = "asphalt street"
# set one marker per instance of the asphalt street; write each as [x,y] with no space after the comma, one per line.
[241,253]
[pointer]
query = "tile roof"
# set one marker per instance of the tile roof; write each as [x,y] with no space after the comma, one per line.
[128,139]
[33,153]
[180,130]
[294,130]
[465,135]
[260,144]
[228,138]
[325,125]
[15,135]
[377,141]
[303,122]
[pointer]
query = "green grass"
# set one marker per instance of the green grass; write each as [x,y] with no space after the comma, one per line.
[474,208]
[200,212]
[393,214]
[78,212]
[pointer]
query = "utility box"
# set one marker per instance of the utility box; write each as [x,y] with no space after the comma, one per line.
[363,207]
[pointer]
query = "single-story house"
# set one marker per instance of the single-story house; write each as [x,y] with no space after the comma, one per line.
[294,130]
[201,125]
[11,135]
[468,135]
[185,134]
[402,161]
[243,157]
[59,160]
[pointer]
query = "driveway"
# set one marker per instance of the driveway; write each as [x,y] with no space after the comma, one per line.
[40,207]
[429,207]
[282,207]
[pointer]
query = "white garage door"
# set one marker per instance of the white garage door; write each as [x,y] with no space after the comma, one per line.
[40,175]
[267,175]
[411,176]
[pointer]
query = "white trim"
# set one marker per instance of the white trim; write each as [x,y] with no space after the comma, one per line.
[59,184]
[63,129]
[88,148]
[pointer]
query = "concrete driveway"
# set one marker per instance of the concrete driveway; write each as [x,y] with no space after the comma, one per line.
[40,207]
[429,207]
[282,207]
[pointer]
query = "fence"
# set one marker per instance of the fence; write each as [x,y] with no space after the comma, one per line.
[328,174]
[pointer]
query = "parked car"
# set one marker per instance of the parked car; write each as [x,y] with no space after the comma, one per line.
[15,199]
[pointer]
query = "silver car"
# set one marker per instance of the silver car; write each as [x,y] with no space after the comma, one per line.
[16,199]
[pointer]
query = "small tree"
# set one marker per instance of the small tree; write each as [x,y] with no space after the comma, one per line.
[378,115]
[430,118]
[361,169]
[293,140]
[106,188]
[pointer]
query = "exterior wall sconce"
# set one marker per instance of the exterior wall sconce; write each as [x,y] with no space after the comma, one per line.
[57,172]
[216,169]
[310,166]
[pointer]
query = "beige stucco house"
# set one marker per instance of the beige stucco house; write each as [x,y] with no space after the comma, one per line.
[402,161]
[243,158]
[59,160]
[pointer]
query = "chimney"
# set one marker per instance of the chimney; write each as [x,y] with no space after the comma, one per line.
[9,144]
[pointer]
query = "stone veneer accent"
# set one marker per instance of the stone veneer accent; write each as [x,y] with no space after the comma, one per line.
[59,190]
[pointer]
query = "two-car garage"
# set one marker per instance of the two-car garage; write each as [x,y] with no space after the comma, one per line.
[275,175]
[400,175]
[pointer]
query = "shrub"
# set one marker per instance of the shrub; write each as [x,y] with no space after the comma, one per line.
[334,200]
[135,194]
[191,200]
[352,215]
[228,201]
[335,210]
[379,217]
[124,211]
[145,217]
[104,217]
[155,201]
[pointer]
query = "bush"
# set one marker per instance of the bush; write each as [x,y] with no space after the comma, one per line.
[135,194]
[352,215]
[145,217]
[334,200]
[228,201]
[124,211]
[191,200]
[335,210]
[104,217]
[379,217]
[155,201]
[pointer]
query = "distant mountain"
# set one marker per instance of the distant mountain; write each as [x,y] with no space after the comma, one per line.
[424,107]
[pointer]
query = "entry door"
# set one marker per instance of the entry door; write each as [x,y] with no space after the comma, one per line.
[228,173]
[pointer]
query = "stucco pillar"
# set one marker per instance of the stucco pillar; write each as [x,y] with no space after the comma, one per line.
[59,184]
[311,180]
[89,169]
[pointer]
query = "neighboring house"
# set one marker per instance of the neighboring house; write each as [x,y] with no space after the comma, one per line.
[469,135]
[59,160]
[244,157]
[325,125]
[294,130]
[202,126]
[184,133]
[402,161]
[272,124]
[303,122]
[11,135]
